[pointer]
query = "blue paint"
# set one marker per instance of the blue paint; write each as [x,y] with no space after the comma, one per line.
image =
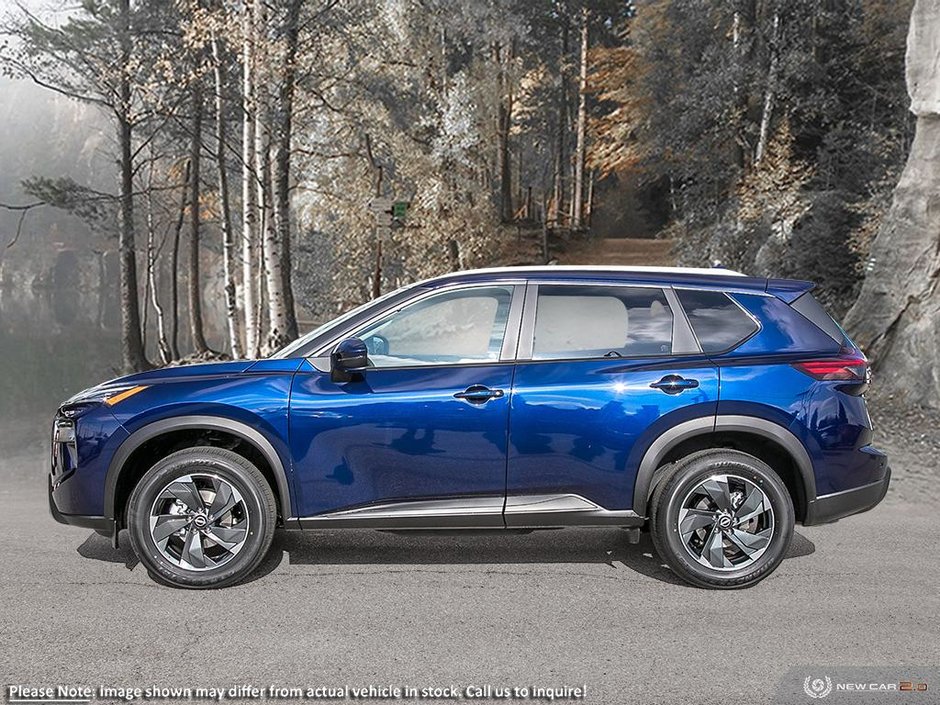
[560,426]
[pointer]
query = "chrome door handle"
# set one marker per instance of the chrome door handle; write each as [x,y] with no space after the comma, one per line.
[479,394]
[674,384]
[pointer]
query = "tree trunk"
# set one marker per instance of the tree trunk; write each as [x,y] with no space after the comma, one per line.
[577,191]
[379,173]
[249,187]
[896,319]
[262,167]
[195,287]
[283,133]
[589,199]
[770,95]
[133,357]
[561,162]
[228,236]
[503,58]
[174,268]
[274,278]
[163,346]
[742,27]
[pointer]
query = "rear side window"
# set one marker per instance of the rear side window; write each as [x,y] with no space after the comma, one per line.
[577,322]
[807,306]
[718,322]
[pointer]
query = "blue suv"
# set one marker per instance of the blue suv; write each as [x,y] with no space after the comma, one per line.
[711,408]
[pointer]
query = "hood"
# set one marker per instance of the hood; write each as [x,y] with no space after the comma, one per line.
[165,374]
[169,374]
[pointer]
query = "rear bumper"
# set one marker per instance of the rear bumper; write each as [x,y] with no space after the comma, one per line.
[832,507]
[102,525]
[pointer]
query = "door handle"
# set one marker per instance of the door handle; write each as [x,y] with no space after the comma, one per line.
[479,394]
[674,384]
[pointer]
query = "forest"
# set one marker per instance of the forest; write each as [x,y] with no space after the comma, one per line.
[318,153]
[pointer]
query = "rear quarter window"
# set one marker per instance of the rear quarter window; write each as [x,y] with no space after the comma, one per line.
[808,307]
[717,321]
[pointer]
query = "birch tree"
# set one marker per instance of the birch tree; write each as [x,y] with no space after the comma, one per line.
[229,258]
[250,294]
[196,331]
[580,152]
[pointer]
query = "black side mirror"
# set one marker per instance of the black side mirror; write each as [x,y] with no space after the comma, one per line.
[350,357]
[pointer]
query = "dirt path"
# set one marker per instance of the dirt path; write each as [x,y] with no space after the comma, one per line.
[621,251]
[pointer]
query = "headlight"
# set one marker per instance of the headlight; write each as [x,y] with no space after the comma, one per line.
[108,395]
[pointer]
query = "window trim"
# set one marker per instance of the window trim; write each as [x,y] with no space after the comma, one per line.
[507,350]
[728,295]
[681,330]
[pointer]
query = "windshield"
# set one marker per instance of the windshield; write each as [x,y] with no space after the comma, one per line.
[291,348]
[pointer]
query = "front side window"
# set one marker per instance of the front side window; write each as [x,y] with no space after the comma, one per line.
[451,328]
[578,322]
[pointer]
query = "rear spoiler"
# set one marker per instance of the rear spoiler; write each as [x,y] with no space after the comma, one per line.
[788,290]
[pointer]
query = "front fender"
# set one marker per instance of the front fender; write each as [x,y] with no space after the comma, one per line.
[249,433]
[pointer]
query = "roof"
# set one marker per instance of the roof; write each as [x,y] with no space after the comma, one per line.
[554,269]
[665,276]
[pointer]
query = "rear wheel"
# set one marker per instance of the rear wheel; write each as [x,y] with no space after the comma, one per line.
[202,517]
[721,519]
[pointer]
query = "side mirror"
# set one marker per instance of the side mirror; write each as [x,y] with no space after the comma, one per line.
[350,356]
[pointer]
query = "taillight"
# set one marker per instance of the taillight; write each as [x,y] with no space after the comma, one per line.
[851,369]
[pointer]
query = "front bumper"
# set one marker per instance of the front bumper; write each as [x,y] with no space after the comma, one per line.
[835,506]
[102,525]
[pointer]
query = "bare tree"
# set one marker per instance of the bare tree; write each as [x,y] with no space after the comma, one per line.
[770,93]
[174,264]
[77,60]
[561,135]
[577,189]
[196,330]
[153,250]
[282,127]
[503,57]
[228,236]
[249,188]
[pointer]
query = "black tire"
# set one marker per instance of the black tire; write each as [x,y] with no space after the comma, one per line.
[684,477]
[256,507]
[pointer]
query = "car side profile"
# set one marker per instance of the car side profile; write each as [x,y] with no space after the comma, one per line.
[713,409]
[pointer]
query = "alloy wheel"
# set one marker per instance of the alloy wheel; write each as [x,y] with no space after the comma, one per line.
[199,522]
[726,522]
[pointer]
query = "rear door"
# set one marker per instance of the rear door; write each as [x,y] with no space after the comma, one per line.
[603,369]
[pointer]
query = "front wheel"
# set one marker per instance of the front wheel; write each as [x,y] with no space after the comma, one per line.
[201,518]
[721,519]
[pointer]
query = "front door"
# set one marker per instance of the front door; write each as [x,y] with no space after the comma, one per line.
[423,433]
[602,371]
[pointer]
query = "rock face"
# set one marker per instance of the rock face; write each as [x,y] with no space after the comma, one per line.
[896,319]
[923,53]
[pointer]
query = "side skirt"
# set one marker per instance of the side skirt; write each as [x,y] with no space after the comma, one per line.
[545,511]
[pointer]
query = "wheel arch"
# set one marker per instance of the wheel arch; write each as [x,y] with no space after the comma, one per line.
[764,439]
[255,442]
